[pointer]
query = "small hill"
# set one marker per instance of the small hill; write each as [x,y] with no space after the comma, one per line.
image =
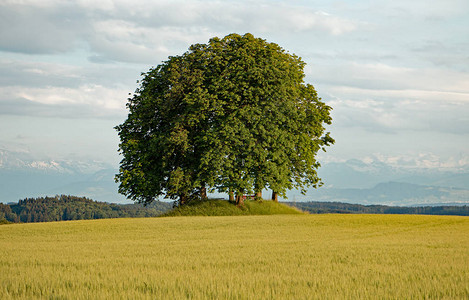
[218,207]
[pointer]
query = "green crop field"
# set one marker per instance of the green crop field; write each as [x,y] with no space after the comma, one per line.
[242,257]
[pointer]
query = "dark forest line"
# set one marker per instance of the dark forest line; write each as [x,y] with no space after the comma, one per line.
[347,208]
[64,208]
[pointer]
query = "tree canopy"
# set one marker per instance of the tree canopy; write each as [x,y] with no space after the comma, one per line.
[66,207]
[233,115]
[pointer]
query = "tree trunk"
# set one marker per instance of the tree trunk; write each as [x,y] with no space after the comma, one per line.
[203,192]
[239,200]
[274,196]
[259,195]
[231,195]
[182,199]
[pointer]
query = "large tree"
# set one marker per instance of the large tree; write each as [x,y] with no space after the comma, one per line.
[233,115]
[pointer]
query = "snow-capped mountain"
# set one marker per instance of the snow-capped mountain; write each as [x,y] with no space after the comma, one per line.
[364,181]
[24,161]
[22,176]
[368,172]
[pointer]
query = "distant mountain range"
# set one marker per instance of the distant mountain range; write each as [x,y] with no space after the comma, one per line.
[22,176]
[20,184]
[353,181]
[355,173]
[389,193]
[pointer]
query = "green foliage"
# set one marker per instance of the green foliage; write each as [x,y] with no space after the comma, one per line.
[230,115]
[3,222]
[226,208]
[6,214]
[62,208]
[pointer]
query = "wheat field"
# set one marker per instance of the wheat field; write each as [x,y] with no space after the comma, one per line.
[242,257]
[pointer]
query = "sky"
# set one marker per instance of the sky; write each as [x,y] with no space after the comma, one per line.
[396,73]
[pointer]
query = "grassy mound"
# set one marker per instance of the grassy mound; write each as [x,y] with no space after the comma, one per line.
[216,207]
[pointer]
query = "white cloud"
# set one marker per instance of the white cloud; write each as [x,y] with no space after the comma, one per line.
[397,113]
[392,99]
[437,10]
[137,31]
[120,40]
[422,160]
[409,160]
[379,76]
[287,19]
[37,74]
[84,102]
[395,72]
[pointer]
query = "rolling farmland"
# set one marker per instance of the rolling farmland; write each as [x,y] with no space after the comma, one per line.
[241,257]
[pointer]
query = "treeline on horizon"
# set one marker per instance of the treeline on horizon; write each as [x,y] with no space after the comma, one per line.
[64,208]
[347,208]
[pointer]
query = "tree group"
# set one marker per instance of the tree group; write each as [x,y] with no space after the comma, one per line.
[63,207]
[233,115]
